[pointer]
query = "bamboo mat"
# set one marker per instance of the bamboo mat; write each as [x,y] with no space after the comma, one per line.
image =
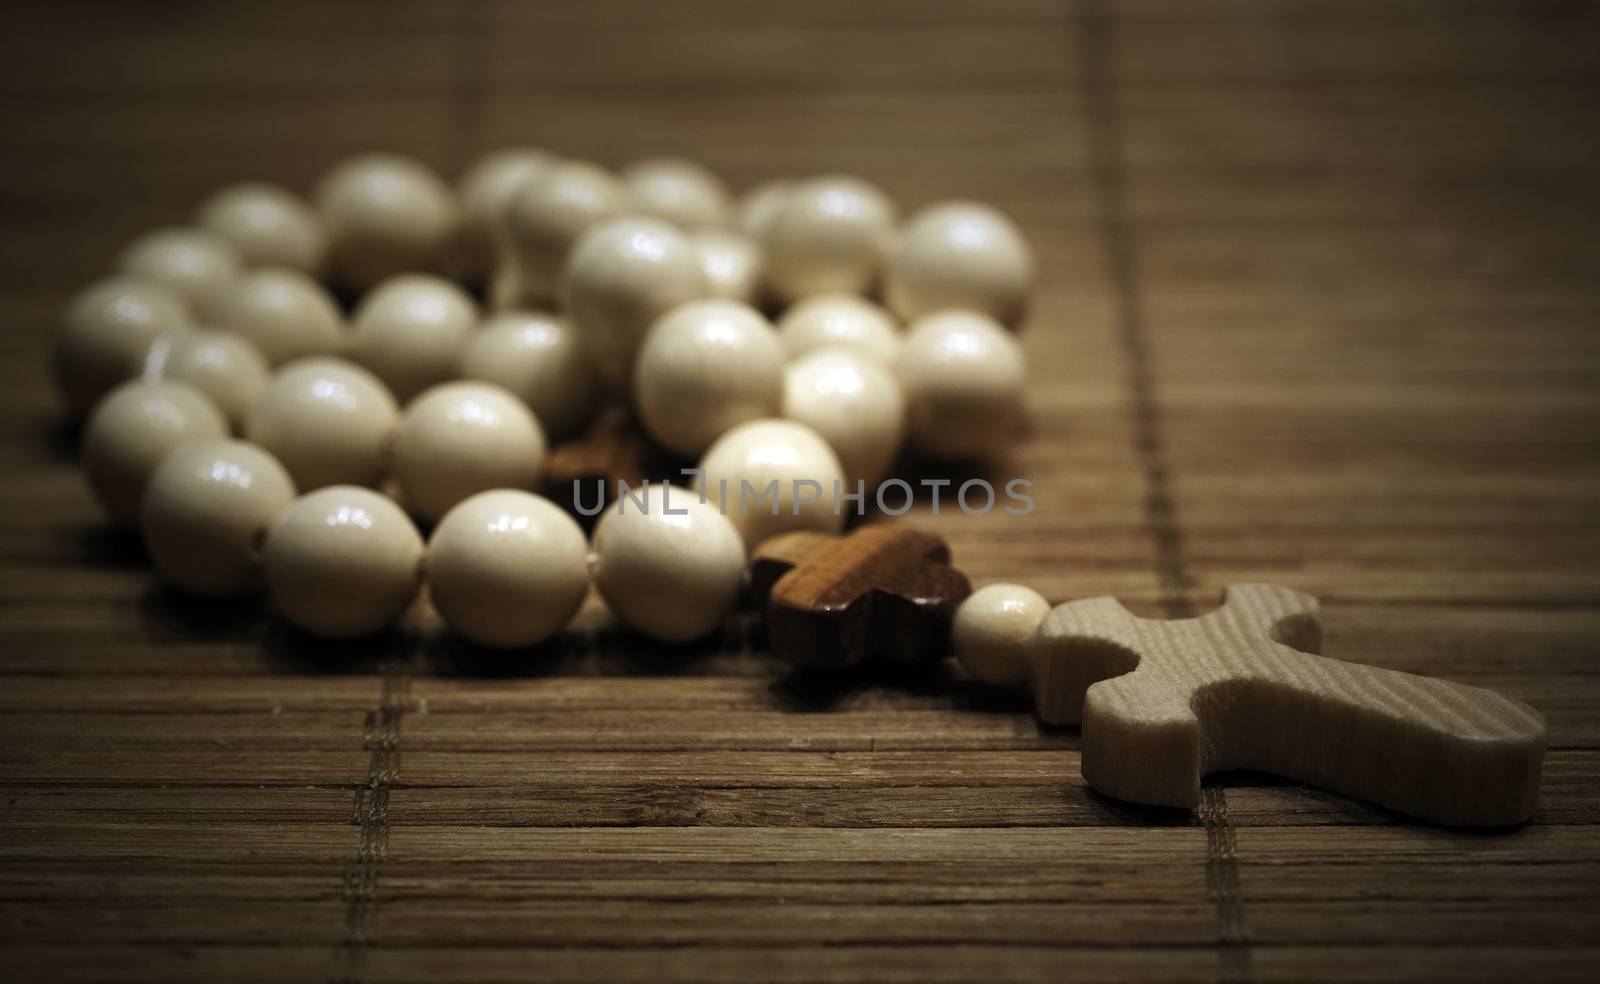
[1319,307]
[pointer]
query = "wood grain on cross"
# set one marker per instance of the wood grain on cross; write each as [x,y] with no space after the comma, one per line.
[883,591]
[1163,702]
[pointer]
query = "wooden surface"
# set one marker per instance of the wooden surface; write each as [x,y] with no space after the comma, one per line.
[1320,307]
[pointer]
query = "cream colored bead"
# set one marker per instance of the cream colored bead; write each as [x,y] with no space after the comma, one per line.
[855,404]
[760,205]
[384,215]
[342,562]
[196,263]
[622,276]
[459,439]
[671,570]
[486,191]
[329,421]
[784,452]
[538,358]
[267,225]
[411,331]
[994,629]
[283,313]
[831,236]
[680,191]
[960,255]
[730,262]
[206,512]
[223,366]
[543,221]
[840,319]
[507,569]
[132,430]
[105,334]
[963,377]
[704,367]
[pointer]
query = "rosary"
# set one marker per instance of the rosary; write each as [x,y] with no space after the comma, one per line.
[615,298]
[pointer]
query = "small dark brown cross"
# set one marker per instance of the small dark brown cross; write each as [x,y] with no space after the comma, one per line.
[883,592]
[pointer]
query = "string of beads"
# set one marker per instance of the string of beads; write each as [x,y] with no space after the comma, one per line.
[261,438]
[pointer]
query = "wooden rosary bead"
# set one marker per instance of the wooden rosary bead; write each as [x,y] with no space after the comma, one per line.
[507,569]
[224,366]
[342,562]
[706,366]
[963,376]
[384,215]
[855,404]
[670,568]
[328,420]
[624,274]
[994,630]
[585,470]
[682,192]
[537,357]
[831,236]
[730,262]
[267,226]
[206,512]
[960,255]
[542,222]
[411,331]
[105,334]
[486,191]
[884,592]
[789,457]
[284,313]
[132,429]
[458,439]
[840,319]
[195,263]
[760,205]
